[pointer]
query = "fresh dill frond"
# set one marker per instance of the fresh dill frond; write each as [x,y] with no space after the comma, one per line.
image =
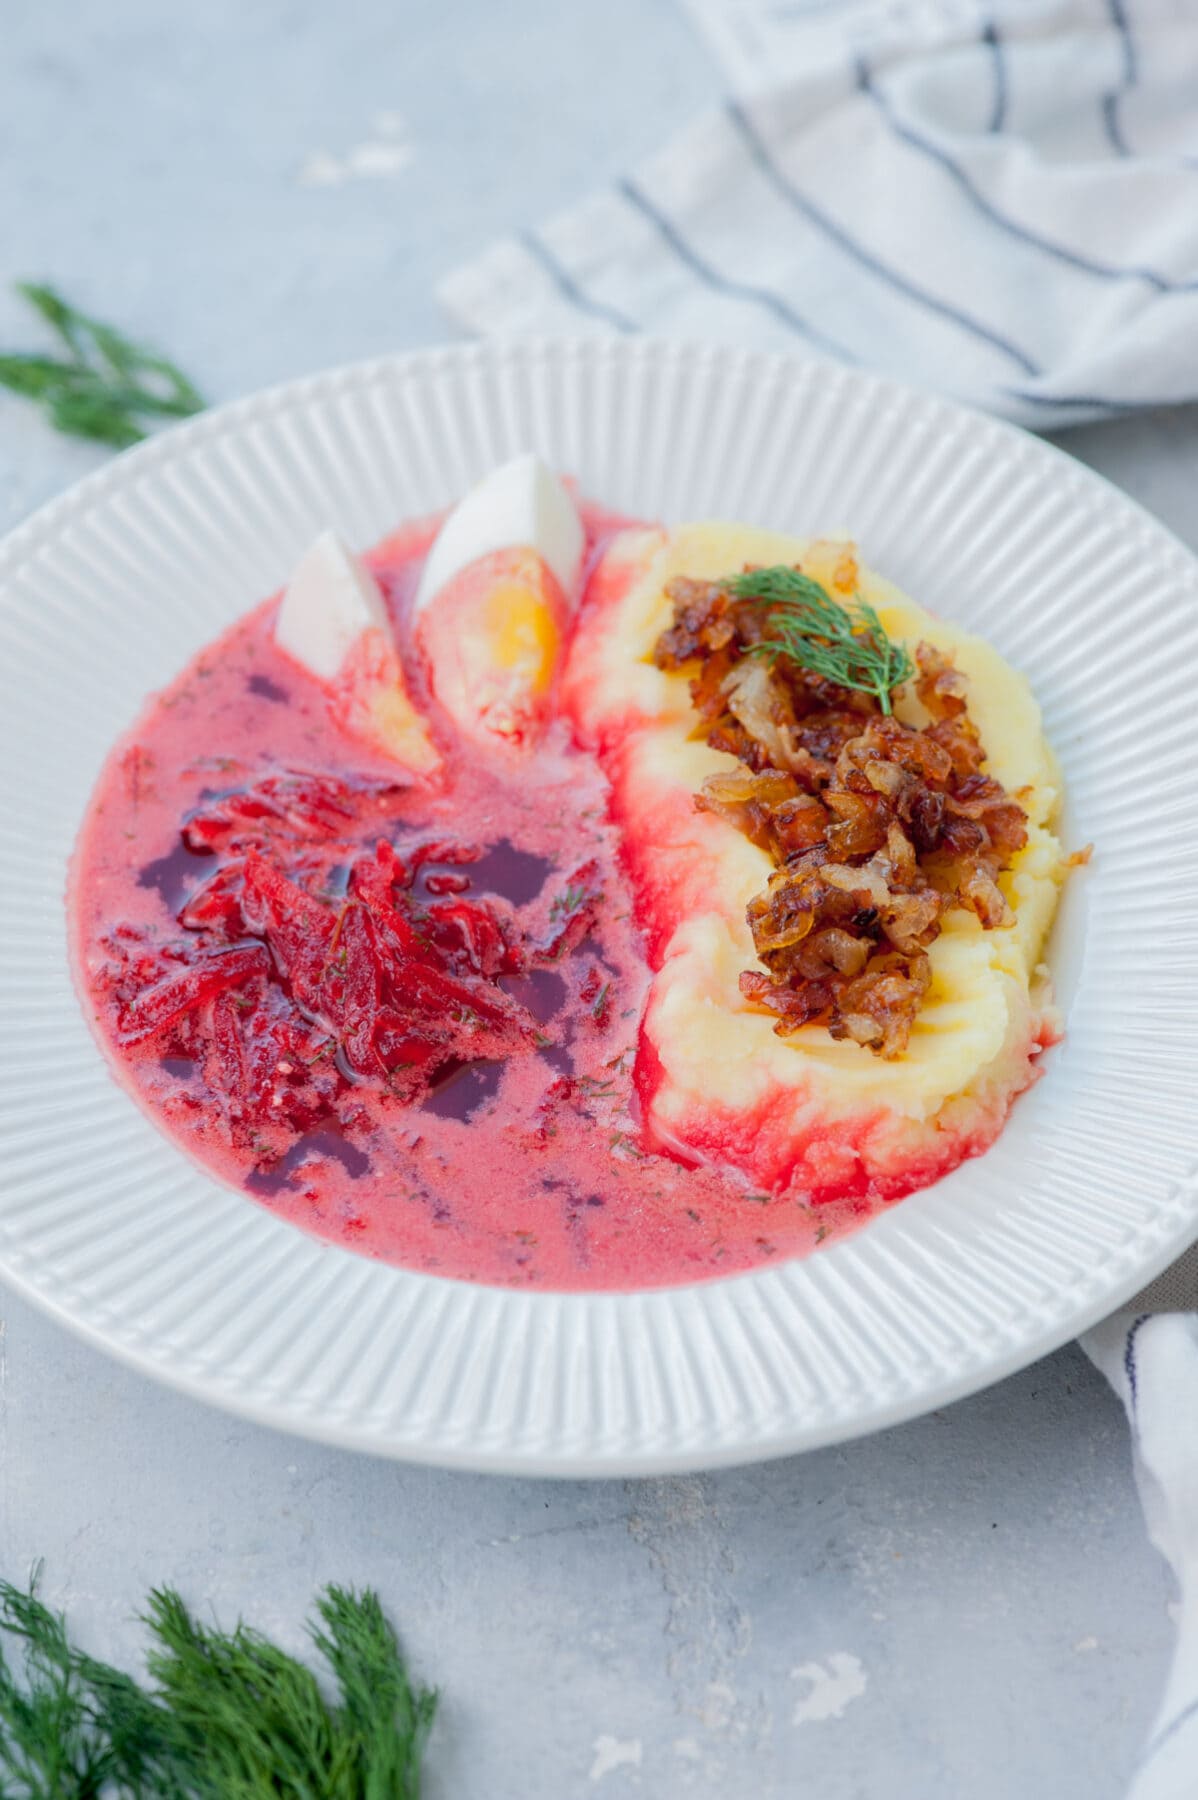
[845,643]
[48,1741]
[229,1716]
[105,387]
[388,1718]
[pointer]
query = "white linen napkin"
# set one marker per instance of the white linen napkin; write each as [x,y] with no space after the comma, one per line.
[997,202]
[1151,1360]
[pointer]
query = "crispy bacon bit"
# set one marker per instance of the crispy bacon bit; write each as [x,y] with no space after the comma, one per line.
[877,1009]
[876,827]
[704,621]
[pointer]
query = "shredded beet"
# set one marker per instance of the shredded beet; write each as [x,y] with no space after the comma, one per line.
[293,803]
[306,964]
[876,827]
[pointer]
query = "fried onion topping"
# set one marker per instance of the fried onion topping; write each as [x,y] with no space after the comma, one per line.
[876,828]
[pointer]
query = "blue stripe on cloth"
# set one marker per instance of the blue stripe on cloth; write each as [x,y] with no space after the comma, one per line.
[724,284]
[1129,1358]
[907,134]
[1089,402]
[998,116]
[894,278]
[568,288]
[1110,101]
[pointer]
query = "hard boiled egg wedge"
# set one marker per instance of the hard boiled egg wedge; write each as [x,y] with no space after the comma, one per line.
[495,600]
[332,621]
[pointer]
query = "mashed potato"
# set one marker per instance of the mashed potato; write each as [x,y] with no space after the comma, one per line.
[804,1112]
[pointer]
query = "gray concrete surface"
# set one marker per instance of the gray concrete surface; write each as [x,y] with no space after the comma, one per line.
[964,1606]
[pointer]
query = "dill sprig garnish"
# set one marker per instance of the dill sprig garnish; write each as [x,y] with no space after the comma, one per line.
[845,643]
[105,388]
[229,1716]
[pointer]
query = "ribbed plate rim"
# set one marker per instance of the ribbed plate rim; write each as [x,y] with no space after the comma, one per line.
[1122,1274]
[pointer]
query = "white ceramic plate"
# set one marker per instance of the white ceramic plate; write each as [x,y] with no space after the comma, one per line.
[1089,1191]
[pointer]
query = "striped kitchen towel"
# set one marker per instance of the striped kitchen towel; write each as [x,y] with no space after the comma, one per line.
[1149,1354]
[1151,1360]
[999,202]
